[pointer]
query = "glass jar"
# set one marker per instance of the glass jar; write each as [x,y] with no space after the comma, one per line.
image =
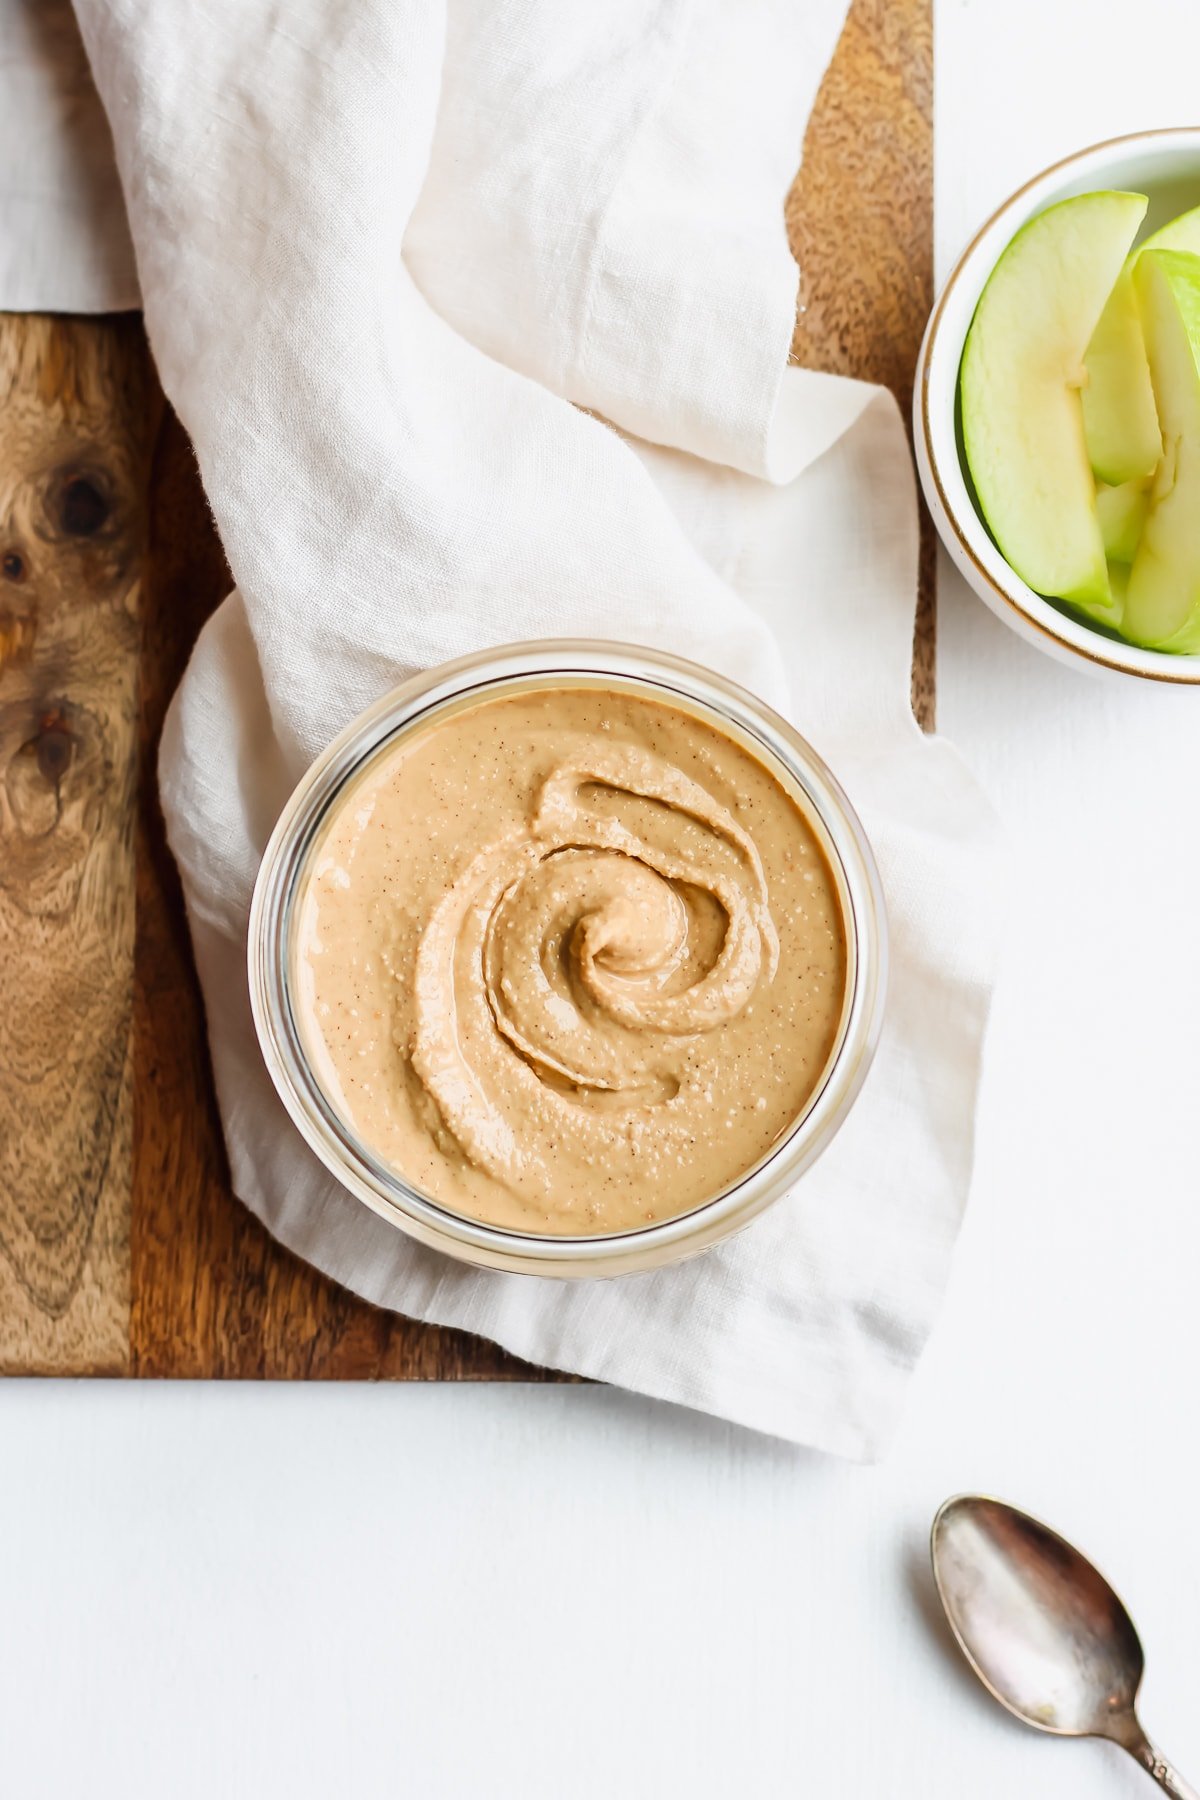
[570,663]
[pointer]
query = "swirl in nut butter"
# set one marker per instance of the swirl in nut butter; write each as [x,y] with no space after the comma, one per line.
[568,960]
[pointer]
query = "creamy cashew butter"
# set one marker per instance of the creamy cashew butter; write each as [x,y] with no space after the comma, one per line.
[569,960]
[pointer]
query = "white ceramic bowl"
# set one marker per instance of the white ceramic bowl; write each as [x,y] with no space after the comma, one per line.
[1164,165]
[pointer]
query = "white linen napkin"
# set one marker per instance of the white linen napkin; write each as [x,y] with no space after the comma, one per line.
[479,317]
[64,240]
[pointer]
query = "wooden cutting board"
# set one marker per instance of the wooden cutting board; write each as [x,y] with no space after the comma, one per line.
[122,1248]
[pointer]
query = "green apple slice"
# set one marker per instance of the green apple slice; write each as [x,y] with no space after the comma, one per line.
[1122,512]
[1120,419]
[1114,615]
[1162,604]
[1022,370]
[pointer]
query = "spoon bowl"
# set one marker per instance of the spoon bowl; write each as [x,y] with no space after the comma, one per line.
[1042,1628]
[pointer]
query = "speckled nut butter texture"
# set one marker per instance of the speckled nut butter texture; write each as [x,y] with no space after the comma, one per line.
[569,960]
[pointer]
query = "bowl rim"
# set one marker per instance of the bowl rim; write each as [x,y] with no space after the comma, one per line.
[1060,634]
[729,707]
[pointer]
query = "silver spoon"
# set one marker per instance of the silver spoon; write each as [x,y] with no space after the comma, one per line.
[1042,1629]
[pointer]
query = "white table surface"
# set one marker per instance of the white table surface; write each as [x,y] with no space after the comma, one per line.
[227,1591]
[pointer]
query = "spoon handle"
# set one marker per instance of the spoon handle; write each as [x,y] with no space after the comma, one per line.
[1157,1766]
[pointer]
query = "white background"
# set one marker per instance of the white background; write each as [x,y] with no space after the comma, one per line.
[222,1591]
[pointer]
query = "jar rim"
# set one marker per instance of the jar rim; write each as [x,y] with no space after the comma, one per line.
[670,680]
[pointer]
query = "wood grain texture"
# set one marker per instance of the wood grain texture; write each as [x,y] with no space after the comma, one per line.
[860,221]
[74,435]
[122,1247]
